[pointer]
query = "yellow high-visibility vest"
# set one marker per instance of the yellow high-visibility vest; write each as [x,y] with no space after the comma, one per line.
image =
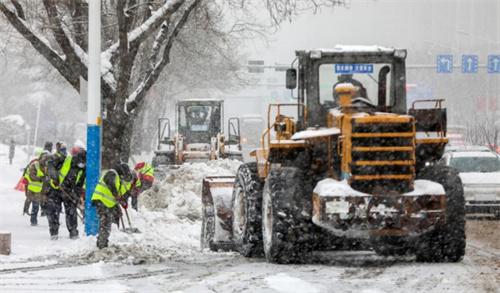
[102,192]
[63,172]
[35,186]
[125,187]
[147,170]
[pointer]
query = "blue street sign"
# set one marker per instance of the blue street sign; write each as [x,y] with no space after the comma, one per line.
[469,63]
[444,64]
[353,68]
[493,63]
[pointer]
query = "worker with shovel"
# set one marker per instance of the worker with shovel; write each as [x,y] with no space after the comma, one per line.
[67,174]
[72,177]
[127,189]
[107,198]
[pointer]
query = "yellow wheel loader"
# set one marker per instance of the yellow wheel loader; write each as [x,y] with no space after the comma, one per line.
[199,134]
[351,164]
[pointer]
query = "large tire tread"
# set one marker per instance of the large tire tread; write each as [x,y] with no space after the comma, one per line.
[248,240]
[289,227]
[446,243]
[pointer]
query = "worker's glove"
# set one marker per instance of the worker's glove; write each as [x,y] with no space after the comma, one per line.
[123,203]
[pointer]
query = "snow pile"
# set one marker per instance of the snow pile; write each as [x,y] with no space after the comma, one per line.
[180,191]
[133,254]
[331,187]
[312,132]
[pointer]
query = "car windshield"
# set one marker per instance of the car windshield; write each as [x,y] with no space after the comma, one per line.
[476,164]
[363,76]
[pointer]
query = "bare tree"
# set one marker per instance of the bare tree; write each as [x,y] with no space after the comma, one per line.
[483,129]
[139,37]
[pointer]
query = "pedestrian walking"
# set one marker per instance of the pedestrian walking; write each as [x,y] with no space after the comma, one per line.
[106,197]
[12,150]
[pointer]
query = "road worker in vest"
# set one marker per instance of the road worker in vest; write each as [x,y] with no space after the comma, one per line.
[107,197]
[37,185]
[25,181]
[71,179]
[56,196]
[143,180]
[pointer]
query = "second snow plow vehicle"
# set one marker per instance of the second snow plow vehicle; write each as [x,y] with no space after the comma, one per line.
[199,134]
[353,164]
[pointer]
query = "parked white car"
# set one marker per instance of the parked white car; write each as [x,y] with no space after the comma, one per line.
[480,174]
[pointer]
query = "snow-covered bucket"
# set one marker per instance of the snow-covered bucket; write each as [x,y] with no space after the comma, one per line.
[5,243]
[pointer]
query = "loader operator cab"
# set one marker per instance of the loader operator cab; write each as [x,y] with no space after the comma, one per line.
[377,73]
[199,120]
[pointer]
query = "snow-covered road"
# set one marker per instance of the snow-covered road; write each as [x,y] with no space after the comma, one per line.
[165,257]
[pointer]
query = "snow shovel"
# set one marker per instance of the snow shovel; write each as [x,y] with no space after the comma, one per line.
[123,226]
[74,202]
[130,229]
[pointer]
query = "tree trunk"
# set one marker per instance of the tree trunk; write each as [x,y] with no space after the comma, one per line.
[115,138]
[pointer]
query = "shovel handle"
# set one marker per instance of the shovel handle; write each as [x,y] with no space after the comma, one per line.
[128,218]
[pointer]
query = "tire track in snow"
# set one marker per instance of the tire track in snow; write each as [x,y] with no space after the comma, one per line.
[484,251]
[127,276]
[38,268]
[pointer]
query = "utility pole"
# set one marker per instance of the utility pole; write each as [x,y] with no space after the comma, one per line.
[37,120]
[94,120]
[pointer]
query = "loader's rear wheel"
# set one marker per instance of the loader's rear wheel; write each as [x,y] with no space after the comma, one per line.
[247,211]
[446,243]
[286,211]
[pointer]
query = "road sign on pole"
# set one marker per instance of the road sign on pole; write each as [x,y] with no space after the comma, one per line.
[470,63]
[493,63]
[444,63]
[93,115]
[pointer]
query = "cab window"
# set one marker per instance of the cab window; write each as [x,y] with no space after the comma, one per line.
[365,77]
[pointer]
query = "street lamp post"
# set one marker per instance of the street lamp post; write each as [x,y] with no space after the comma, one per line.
[39,105]
[94,120]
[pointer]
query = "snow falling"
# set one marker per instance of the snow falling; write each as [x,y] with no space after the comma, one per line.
[250,146]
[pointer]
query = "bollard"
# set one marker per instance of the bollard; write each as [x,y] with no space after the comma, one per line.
[5,241]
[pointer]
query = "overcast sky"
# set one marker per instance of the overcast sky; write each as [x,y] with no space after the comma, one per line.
[445,25]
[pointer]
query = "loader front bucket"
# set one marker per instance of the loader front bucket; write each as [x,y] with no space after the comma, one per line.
[217,213]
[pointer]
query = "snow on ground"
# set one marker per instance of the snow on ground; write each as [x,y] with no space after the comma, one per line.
[166,257]
[180,192]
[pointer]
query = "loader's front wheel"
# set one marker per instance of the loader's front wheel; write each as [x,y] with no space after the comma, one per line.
[286,210]
[447,242]
[247,211]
